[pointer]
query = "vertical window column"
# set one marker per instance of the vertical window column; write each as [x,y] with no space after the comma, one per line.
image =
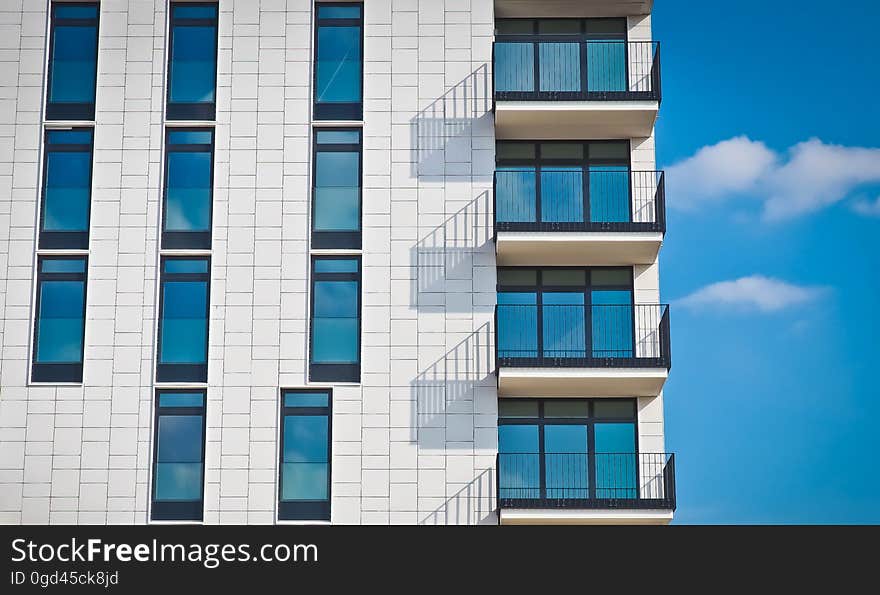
[73,61]
[304,485]
[67,189]
[183,320]
[192,61]
[339,61]
[336,210]
[335,341]
[179,455]
[189,183]
[59,326]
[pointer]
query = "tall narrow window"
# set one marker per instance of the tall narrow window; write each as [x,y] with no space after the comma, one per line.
[60,319]
[336,319]
[67,189]
[336,215]
[179,455]
[192,65]
[183,320]
[73,61]
[189,180]
[339,62]
[304,486]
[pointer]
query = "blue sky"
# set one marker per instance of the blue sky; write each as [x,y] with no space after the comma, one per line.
[770,135]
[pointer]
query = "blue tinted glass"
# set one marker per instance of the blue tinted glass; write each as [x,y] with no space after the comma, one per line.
[339,12]
[181,399]
[179,481]
[70,137]
[612,326]
[517,329]
[305,438]
[335,322]
[63,265]
[562,194]
[180,439]
[337,299]
[298,399]
[176,265]
[564,324]
[514,67]
[66,11]
[336,265]
[67,192]
[515,193]
[338,137]
[606,66]
[60,324]
[304,481]
[193,65]
[565,462]
[560,66]
[74,53]
[339,64]
[518,461]
[616,465]
[565,438]
[190,137]
[515,297]
[188,192]
[182,11]
[609,194]
[518,438]
[337,192]
[184,322]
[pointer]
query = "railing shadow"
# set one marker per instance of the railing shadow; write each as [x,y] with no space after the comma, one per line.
[447,254]
[474,504]
[449,117]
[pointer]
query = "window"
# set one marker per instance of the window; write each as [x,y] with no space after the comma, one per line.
[59,325]
[73,61]
[183,320]
[336,214]
[179,455]
[561,186]
[189,180]
[192,62]
[335,343]
[304,486]
[561,314]
[572,449]
[339,62]
[67,189]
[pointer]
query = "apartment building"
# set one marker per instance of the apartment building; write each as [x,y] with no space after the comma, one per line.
[287,261]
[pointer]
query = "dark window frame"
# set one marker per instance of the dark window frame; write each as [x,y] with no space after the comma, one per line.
[188,240]
[178,510]
[305,510]
[66,240]
[590,422]
[348,240]
[319,372]
[64,110]
[191,111]
[174,372]
[582,35]
[353,111]
[59,372]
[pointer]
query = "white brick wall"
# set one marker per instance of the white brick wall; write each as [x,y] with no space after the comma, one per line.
[415,442]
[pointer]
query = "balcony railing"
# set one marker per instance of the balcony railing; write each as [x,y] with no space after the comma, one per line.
[560,68]
[586,480]
[582,336]
[574,199]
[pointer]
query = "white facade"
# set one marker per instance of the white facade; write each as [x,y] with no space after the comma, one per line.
[416,440]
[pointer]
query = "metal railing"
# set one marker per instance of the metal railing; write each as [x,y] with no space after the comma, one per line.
[577,199]
[586,480]
[561,68]
[582,336]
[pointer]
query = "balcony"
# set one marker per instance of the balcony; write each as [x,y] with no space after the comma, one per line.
[585,488]
[578,217]
[562,87]
[582,350]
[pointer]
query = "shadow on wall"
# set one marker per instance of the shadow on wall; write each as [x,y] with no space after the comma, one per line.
[474,504]
[444,416]
[453,116]
[444,259]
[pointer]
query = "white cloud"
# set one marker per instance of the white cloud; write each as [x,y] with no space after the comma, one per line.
[812,175]
[755,292]
[867,207]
